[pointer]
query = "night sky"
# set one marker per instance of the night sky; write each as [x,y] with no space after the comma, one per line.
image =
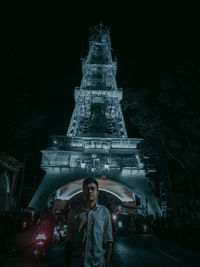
[41,51]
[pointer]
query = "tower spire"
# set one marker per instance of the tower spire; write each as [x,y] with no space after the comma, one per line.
[98,111]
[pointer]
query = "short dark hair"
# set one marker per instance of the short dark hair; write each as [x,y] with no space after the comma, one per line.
[90,180]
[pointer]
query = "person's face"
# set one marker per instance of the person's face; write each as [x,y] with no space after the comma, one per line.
[90,192]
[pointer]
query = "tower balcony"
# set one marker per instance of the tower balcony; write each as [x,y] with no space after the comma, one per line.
[94,65]
[94,143]
[78,152]
[92,91]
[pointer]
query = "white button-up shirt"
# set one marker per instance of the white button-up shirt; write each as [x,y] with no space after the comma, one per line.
[88,231]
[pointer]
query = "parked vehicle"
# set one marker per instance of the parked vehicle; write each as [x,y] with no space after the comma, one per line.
[138,224]
[122,223]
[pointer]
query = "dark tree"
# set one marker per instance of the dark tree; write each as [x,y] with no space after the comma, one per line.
[168,118]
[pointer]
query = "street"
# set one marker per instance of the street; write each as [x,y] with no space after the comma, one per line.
[136,251]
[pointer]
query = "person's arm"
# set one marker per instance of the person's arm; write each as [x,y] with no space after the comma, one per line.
[108,253]
[69,238]
[108,238]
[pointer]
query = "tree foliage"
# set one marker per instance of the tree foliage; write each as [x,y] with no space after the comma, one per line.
[168,119]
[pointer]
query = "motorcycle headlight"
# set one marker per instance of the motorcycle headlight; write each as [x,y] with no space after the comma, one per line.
[114,217]
[145,227]
[119,224]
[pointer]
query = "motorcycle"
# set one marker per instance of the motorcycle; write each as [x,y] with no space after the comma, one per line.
[41,245]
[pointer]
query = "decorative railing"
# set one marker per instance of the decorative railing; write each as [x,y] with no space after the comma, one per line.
[95,142]
[89,161]
[90,91]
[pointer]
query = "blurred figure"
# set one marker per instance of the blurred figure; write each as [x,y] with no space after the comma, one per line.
[46,225]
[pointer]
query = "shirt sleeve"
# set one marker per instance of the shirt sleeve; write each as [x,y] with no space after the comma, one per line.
[70,227]
[108,236]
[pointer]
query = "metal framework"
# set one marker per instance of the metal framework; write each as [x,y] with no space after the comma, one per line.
[96,143]
[98,111]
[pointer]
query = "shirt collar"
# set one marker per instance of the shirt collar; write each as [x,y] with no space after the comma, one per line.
[94,208]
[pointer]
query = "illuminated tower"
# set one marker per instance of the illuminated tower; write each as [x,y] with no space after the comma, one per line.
[96,142]
[98,111]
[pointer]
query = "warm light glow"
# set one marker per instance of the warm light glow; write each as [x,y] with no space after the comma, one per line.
[114,217]
[69,194]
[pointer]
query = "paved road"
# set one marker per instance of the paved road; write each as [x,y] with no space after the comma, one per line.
[135,251]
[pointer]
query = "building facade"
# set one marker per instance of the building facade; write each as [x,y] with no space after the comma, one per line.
[9,178]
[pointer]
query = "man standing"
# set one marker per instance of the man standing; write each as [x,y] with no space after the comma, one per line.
[89,231]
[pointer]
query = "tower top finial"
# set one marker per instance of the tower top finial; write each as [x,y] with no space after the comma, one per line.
[96,32]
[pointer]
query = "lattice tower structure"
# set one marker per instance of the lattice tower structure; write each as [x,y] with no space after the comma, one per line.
[97,111]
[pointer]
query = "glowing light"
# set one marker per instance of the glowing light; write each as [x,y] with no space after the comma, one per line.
[119,224]
[145,227]
[106,166]
[114,217]
[83,164]
[41,236]
[40,243]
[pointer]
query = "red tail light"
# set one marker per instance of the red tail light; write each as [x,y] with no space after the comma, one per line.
[40,243]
